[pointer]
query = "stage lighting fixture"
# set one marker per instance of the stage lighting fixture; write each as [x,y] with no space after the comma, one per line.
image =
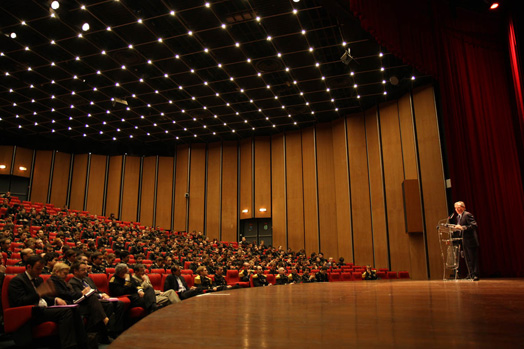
[55,5]
[494,5]
[346,57]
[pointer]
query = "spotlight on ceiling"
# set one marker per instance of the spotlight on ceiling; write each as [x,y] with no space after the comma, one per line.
[85,27]
[12,35]
[55,5]
[494,5]
[296,0]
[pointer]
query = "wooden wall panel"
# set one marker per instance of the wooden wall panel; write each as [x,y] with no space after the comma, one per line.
[147,199]
[278,181]
[393,178]
[6,156]
[164,198]
[417,248]
[78,185]
[376,184]
[327,209]
[41,174]
[309,174]
[113,185]
[95,191]
[181,188]
[343,210]
[23,158]
[432,173]
[246,179]
[131,182]
[407,131]
[359,182]
[262,177]
[60,179]
[295,191]
[197,188]
[229,191]
[213,191]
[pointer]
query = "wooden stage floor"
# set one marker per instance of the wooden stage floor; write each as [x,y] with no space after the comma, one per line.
[417,314]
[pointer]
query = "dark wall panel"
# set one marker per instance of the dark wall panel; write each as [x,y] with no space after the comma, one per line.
[197,187]
[164,207]
[78,185]
[147,199]
[262,177]
[95,193]
[213,203]
[309,175]
[60,179]
[113,185]
[229,191]
[295,190]
[41,175]
[130,197]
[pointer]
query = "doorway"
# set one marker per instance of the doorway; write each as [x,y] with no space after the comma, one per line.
[256,230]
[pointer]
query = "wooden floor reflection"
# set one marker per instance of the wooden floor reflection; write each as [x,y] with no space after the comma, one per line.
[430,314]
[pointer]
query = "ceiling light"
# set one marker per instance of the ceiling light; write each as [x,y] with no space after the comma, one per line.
[55,5]
[13,35]
[139,20]
[108,29]
[494,6]
[207,4]
[83,7]
[190,33]
[85,27]
[172,13]
[303,32]
[258,19]
[295,11]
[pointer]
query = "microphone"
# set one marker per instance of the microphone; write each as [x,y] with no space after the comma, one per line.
[451,215]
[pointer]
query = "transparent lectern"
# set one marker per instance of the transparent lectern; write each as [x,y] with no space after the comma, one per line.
[450,237]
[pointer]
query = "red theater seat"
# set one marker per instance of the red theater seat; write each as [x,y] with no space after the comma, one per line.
[357,276]
[271,279]
[156,281]
[101,282]
[232,278]
[382,275]
[190,281]
[392,275]
[346,277]
[17,317]
[334,277]
[403,274]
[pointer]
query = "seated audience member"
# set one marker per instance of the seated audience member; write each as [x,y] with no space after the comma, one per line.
[70,257]
[110,261]
[204,282]
[245,273]
[294,277]
[176,282]
[121,284]
[369,274]
[162,298]
[5,247]
[97,263]
[28,288]
[281,277]
[24,255]
[90,306]
[49,259]
[114,309]
[322,275]
[220,280]
[307,277]
[259,279]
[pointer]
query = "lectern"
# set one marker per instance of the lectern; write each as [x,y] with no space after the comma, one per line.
[450,237]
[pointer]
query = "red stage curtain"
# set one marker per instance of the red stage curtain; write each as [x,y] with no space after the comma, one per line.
[467,54]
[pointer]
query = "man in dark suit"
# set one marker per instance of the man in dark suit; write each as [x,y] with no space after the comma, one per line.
[176,282]
[113,309]
[122,284]
[470,242]
[28,288]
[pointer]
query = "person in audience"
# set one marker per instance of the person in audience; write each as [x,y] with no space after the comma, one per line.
[122,284]
[176,282]
[162,298]
[90,307]
[70,257]
[281,277]
[220,280]
[113,307]
[259,279]
[307,277]
[294,277]
[110,260]
[28,288]
[24,255]
[369,274]
[5,247]
[322,275]
[49,259]
[245,273]
[97,263]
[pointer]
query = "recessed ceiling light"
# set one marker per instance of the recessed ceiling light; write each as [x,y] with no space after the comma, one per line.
[55,5]
[85,26]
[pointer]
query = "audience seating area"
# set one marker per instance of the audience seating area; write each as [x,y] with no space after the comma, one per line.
[17,223]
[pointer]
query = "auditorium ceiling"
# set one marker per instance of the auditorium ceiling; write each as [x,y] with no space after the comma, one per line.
[140,77]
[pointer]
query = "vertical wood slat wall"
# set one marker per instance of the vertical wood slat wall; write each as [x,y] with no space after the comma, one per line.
[336,187]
